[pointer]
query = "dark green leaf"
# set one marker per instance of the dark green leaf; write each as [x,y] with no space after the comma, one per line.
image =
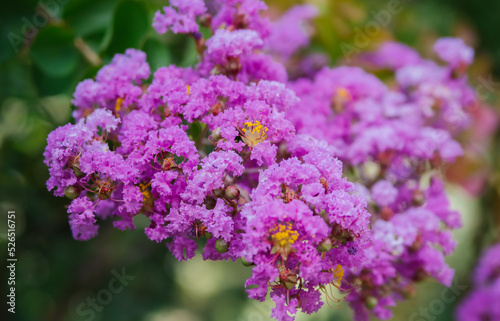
[88,17]
[157,53]
[53,51]
[130,24]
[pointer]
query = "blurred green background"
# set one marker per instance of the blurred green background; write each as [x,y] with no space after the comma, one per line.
[48,46]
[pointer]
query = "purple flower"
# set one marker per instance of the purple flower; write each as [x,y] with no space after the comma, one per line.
[454,51]
[284,310]
[481,304]
[393,55]
[82,219]
[384,193]
[290,32]
[488,270]
[240,14]
[116,85]
[211,175]
[234,44]
[180,17]
[232,155]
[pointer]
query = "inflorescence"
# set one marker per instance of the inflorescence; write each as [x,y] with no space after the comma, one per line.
[328,181]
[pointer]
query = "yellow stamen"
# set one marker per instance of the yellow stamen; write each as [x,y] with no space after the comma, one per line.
[343,94]
[188,89]
[118,105]
[253,133]
[338,274]
[340,98]
[147,197]
[284,235]
[324,182]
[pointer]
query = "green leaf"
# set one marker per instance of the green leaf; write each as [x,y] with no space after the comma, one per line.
[130,24]
[16,27]
[53,51]
[157,54]
[88,17]
[48,85]
[190,56]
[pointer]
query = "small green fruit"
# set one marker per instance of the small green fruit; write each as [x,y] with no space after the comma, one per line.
[221,246]
[371,302]
[72,192]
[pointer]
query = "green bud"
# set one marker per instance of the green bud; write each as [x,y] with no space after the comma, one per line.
[208,235]
[289,285]
[72,192]
[324,216]
[371,302]
[216,134]
[232,192]
[221,246]
[325,245]
[245,262]
[290,282]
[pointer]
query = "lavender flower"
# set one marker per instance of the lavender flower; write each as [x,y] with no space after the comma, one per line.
[232,154]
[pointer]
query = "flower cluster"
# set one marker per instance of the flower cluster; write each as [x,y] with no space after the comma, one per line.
[395,141]
[231,156]
[482,302]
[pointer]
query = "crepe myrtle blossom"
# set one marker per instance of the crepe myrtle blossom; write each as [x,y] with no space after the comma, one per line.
[291,31]
[116,86]
[480,303]
[304,226]
[180,16]
[325,182]
[392,138]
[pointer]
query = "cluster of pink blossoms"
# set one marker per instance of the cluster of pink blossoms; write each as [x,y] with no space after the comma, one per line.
[234,156]
[482,302]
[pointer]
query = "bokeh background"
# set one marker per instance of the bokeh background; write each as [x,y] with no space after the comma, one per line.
[48,46]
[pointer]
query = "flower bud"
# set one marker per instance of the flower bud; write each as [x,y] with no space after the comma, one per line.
[197,35]
[218,193]
[420,275]
[245,262]
[371,302]
[418,198]
[221,246]
[233,65]
[386,213]
[283,151]
[216,134]
[325,245]
[324,216]
[206,20]
[72,192]
[208,235]
[232,192]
